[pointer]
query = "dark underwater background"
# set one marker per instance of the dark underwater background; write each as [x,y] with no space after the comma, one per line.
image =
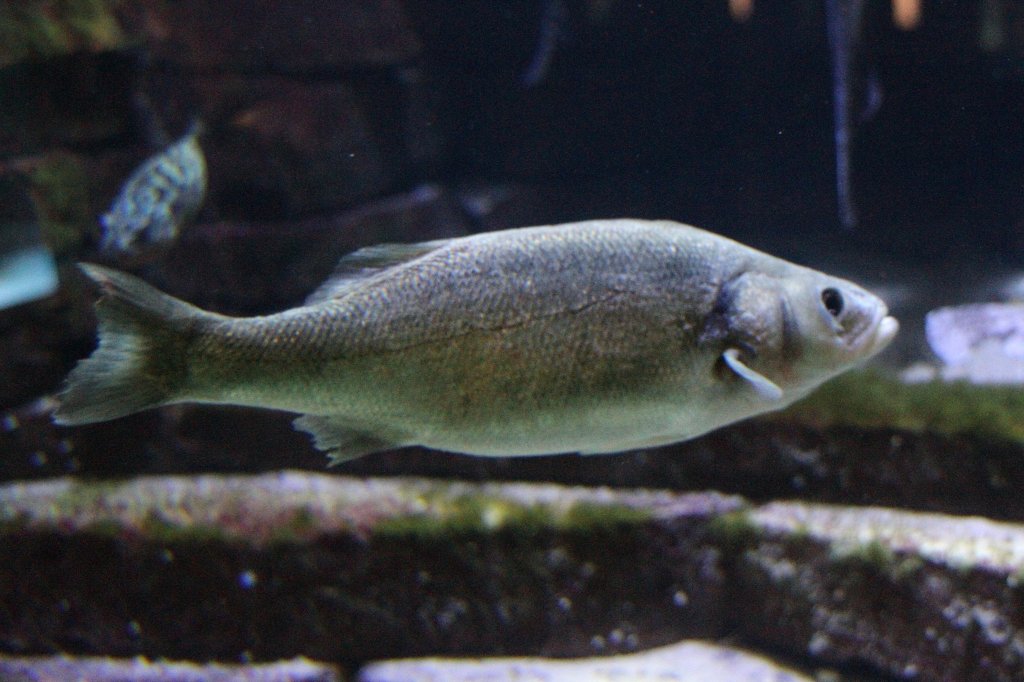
[327,126]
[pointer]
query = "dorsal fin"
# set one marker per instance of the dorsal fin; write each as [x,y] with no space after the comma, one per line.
[368,261]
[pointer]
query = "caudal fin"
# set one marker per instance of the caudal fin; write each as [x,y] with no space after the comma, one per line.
[140,360]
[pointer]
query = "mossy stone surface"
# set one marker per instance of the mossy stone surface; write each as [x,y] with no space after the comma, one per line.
[350,570]
[917,596]
[347,570]
[872,399]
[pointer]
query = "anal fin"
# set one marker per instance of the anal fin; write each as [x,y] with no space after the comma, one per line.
[337,438]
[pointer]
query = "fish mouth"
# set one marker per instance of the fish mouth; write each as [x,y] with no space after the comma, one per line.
[880,334]
[874,332]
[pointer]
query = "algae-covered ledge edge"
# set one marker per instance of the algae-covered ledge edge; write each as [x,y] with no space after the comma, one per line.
[293,506]
[872,398]
[487,513]
[900,540]
[441,507]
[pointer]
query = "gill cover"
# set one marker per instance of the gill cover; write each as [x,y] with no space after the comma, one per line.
[752,329]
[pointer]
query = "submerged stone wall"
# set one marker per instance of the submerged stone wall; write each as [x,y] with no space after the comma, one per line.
[351,570]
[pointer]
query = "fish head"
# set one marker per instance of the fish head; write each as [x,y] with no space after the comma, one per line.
[836,325]
[787,332]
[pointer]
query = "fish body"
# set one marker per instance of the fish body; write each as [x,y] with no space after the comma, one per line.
[164,192]
[598,336]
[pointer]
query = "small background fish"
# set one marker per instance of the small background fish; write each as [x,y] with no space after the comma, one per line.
[158,198]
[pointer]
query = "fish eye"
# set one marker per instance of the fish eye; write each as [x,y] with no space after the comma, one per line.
[833,301]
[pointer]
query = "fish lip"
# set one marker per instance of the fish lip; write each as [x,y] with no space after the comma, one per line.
[876,333]
[882,332]
[888,329]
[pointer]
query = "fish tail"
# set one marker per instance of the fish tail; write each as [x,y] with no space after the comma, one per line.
[140,360]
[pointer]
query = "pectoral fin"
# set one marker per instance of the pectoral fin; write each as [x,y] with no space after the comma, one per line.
[338,439]
[762,385]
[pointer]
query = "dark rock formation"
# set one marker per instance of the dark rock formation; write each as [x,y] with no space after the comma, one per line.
[349,570]
[248,36]
[926,597]
[338,569]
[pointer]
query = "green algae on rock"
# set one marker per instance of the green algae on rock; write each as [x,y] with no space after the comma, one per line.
[927,596]
[484,514]
[354,570]
[297,506]
[871,399]
[885,533]
[34,29]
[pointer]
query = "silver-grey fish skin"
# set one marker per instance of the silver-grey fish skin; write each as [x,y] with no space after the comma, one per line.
[600,336]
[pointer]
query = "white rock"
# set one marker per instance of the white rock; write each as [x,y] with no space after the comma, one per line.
[691,661]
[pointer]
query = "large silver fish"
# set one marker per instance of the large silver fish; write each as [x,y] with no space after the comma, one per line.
[592,337]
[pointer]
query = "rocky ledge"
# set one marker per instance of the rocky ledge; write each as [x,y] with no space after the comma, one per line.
[690,661]
[262,568]
[684,662]
[96,669]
